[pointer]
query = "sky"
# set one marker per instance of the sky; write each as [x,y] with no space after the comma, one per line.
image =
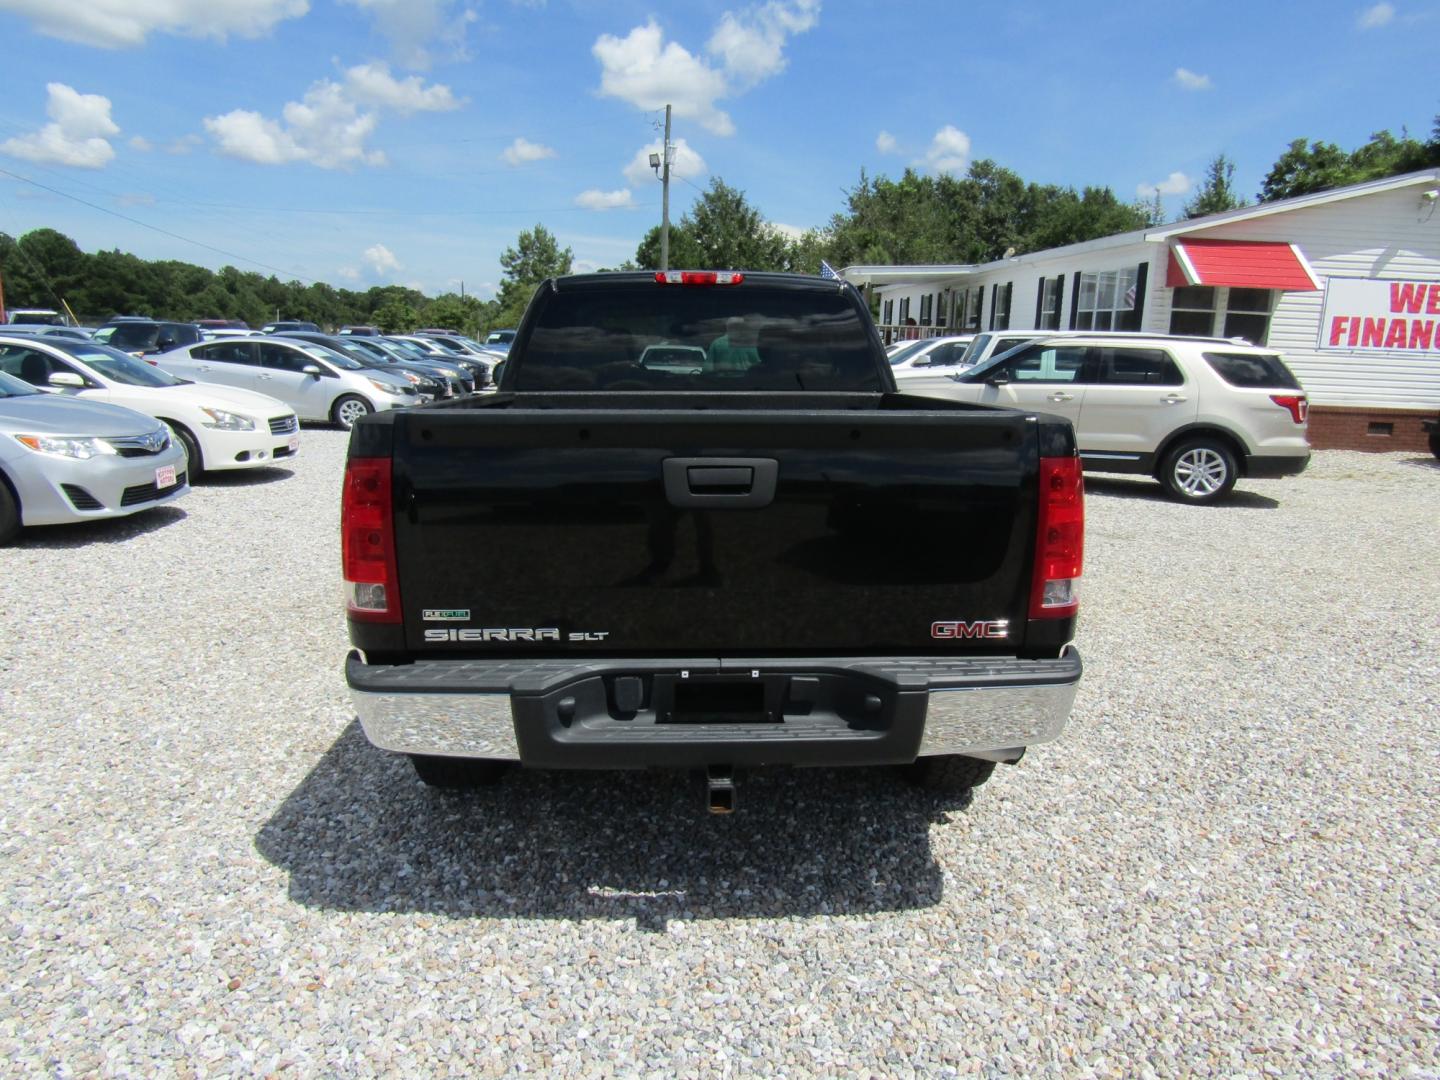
[410,142]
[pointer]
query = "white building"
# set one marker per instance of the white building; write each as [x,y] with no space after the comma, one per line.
[1345,283]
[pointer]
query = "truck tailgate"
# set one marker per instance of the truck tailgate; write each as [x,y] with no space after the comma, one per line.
[668,533]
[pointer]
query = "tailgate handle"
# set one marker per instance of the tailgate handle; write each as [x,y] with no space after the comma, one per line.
[720,483]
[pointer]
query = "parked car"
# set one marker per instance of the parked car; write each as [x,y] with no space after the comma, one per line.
[63,460]
[146,337]
[933,356]
[222,324]
[360,331]
[499,339]
[429,380]
[74,333]
[219,427]
[35,317]
[281,326]
[318,383]
[1195,413]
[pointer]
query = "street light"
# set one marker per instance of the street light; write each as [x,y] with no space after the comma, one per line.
[655,162]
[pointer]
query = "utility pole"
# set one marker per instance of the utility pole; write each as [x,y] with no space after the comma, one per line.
[665,199]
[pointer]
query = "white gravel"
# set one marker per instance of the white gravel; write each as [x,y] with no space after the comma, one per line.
[1227,866]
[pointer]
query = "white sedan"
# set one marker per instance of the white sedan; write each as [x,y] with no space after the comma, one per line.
[932,356]
[220,427]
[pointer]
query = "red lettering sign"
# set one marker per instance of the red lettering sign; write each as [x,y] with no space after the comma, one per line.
[1407,296]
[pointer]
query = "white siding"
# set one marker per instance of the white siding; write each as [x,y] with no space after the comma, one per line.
[1388,235]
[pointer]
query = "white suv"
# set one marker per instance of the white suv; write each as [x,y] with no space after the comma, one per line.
[1195,413]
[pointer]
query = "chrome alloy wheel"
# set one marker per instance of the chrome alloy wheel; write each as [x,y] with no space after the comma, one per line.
[350,411]
[1200,472]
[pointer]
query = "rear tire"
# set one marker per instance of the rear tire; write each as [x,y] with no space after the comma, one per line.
[194,461]
[349,409]
[1199,471]
[457,773]
[9,514]
[949,773]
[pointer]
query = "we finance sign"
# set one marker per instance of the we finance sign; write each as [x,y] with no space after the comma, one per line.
[1384,316]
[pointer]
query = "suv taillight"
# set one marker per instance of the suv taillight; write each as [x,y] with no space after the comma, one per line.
[367,542]
[1298,406]
[1059,540]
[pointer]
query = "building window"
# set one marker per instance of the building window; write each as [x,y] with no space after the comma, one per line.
[925,309]
[1205,311]
[970,302]
[942,305]
[1000,305]
[1052,292]
[1106,300]
[1247,315]
[888,310]
[904,309]
[1192,311]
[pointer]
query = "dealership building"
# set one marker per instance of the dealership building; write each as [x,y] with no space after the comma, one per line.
[1344,283]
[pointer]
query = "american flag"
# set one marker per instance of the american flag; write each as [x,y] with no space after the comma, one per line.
[828,271]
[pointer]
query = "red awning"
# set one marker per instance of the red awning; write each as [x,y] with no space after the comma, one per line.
[1240,264]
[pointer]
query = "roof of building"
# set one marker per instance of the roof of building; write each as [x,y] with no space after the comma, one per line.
[935,273]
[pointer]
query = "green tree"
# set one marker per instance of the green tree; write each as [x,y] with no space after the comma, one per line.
[1217,193]
[455,312]
[537,255]
[1319,166]
[395,316]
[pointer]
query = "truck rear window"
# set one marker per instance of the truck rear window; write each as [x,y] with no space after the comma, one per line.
[1258,371]
[672,337]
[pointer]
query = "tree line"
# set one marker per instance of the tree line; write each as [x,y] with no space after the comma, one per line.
[915,219]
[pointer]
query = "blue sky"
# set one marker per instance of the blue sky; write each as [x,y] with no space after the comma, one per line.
[366,142]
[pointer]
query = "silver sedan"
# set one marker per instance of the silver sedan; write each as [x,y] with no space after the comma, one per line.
[65,460]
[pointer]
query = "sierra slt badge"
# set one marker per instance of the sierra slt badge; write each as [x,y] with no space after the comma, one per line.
[513,634]
[995,628]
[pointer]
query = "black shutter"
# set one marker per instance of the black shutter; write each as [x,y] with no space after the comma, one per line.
[1059,299]
[994,301]
[1136,315]
[979,307]
[1040,306]
[1074,301]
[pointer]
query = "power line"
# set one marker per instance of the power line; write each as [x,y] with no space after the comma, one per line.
[155,228]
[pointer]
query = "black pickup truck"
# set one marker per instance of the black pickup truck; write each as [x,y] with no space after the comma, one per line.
[697,527]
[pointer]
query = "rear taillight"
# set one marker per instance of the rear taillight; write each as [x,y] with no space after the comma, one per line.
[698,277]
[1059,540]
[367,542]
[1298,406]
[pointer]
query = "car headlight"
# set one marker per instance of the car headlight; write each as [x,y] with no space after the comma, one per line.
[416,379]
[226,421]
[81,447]
[386,388]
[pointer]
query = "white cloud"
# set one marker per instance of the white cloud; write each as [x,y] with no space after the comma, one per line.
[381,259]
[649,72]
[949,151]
[348,273]
[417,29]
[751,45]
[78,134]
[885,143]
[641,69]
[139,142]
[1189,80]
[790,232]
[372,84]
[184,144]
[327,128]
[685,163]
[522,151]
[1177,183]
[1376,16]
[595,199]
[113,24]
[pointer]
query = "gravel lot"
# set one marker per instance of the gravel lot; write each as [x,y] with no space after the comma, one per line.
[1228,865]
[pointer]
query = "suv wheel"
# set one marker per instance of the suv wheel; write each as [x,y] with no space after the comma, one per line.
[1199,471]
[949,773]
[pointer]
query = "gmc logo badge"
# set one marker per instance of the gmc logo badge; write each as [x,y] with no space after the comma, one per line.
[997,628]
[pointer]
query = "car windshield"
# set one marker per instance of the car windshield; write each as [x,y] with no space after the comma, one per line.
[130,336]
[908,351]
[10,386]
[408,348]
[117,366]
[329,355]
